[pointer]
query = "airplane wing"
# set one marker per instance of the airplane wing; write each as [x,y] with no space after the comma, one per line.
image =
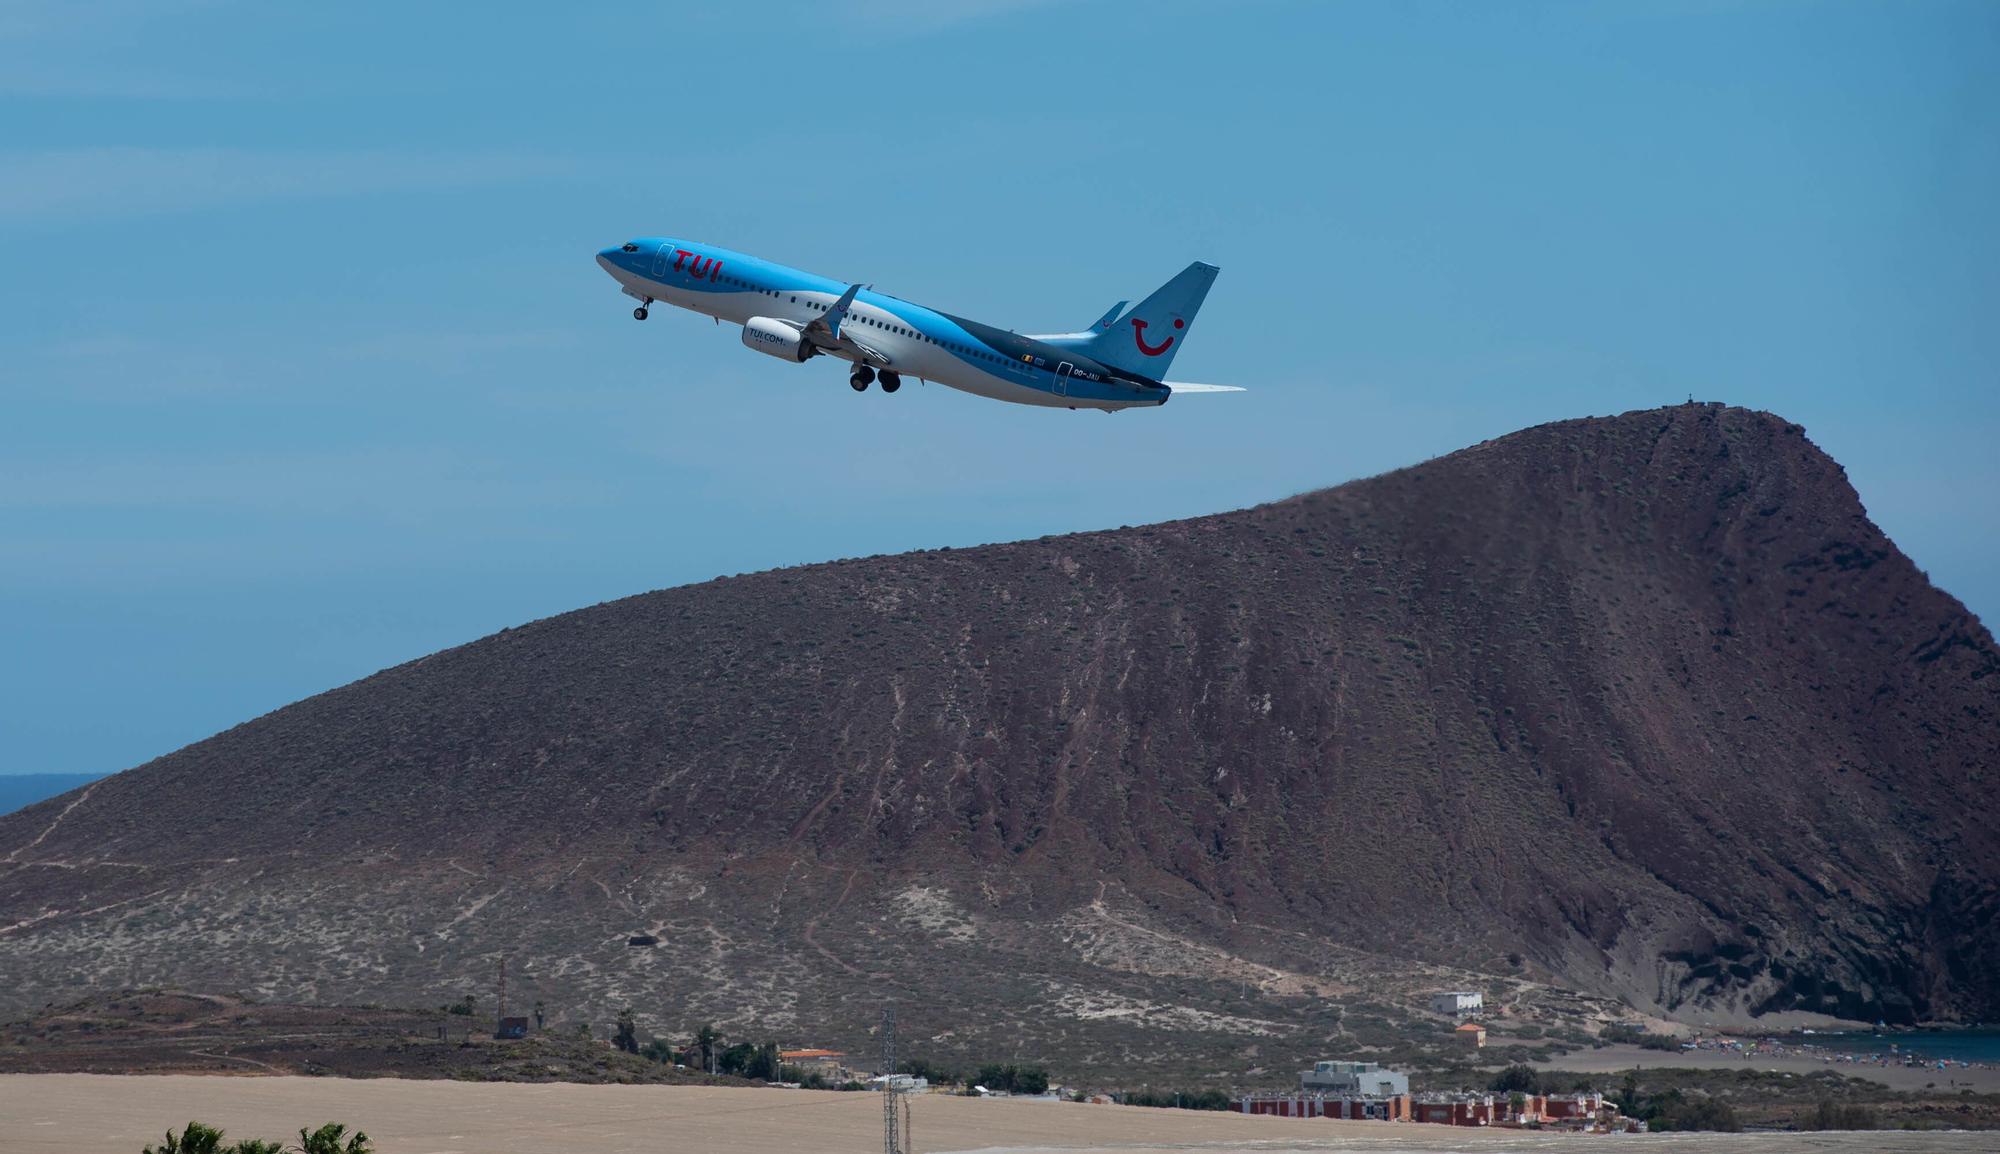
[1190,387]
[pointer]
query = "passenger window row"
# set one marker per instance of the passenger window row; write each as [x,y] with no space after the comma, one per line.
[739,282]
[963,350]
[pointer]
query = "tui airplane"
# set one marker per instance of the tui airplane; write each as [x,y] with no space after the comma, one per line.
[1118,363]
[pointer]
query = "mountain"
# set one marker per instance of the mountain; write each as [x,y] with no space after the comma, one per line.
[1642,707]
[20,790]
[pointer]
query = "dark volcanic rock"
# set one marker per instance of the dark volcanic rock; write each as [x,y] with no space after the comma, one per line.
[1643,706]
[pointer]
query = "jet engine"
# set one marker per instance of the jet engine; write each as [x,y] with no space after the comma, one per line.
[777,339]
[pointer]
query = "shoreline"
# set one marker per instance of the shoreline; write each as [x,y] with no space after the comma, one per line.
[1926,1046]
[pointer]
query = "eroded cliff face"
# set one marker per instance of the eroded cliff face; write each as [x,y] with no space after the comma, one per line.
[1642,706]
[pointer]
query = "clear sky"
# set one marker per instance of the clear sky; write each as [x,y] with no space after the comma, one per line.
[306,370]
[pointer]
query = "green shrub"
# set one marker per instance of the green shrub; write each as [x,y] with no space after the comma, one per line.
[1702,1113]
[659,1050]
[1830,1115]
[1014,1079]
[1629,1035]
[929,1071]
[810,1079]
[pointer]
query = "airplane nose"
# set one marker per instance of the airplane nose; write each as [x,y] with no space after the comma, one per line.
[607,259]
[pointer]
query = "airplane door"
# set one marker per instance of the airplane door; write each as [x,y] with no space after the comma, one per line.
[663,260]
[1062,378]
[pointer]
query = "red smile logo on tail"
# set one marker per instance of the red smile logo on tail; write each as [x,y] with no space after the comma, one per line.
[1139,336]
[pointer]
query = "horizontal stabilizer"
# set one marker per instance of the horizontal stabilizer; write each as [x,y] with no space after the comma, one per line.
[1190,387]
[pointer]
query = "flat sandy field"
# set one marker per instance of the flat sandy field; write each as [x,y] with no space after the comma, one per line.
[111,1114]
[1613,1058]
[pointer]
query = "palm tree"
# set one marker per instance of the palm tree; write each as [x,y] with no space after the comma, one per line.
[764,1064]
[196,1139]
[327,1140]
[705,1040]
[200,1138]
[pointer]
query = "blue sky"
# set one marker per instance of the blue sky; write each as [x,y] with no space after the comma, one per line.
[306,368]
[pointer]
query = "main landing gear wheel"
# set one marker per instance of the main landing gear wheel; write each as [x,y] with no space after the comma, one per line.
[860,377]
[891,381]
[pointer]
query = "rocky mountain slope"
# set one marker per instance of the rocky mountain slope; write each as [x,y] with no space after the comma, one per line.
[1643,707]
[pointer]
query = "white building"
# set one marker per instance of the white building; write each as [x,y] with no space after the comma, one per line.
[1458,1002]
[1353,1079]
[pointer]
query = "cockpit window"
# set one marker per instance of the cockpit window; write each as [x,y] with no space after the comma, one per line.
[631,248]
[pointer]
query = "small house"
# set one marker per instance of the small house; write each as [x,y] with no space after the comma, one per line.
[1458,1003]
[827,1062]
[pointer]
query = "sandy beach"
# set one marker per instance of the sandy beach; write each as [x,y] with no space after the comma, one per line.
[1983,1080]
[109,1114]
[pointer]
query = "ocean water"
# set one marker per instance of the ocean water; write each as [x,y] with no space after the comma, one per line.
[21,790]
[1957,1045]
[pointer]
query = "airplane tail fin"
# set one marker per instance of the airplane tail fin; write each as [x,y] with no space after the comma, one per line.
[1145,340]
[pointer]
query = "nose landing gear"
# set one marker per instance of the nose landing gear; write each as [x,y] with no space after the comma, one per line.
[639,314]
[860,376]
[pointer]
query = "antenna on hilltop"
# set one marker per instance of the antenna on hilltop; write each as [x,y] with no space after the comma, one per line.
[895,1132]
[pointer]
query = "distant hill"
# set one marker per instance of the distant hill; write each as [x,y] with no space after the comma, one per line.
[170,1032]
[1642,706]
[20,790]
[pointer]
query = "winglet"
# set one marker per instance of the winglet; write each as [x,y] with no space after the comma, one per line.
[1110,318]
[837,315]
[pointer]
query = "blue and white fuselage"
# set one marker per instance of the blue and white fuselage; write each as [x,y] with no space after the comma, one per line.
[1119,363]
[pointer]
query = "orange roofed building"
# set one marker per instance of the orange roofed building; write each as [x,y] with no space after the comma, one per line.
[1472,1034]
[824,1061]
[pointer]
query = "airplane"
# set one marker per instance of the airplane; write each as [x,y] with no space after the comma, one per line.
[1118,363]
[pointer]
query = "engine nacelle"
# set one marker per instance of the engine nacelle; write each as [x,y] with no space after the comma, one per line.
[776,338]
